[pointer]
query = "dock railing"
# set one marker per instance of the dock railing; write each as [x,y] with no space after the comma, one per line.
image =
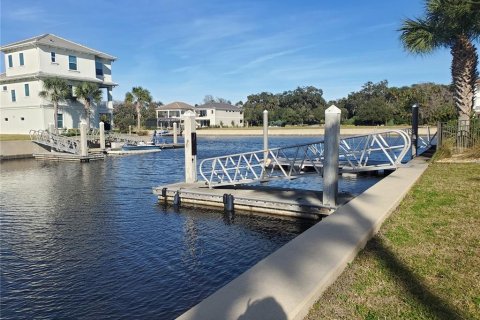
[375,151]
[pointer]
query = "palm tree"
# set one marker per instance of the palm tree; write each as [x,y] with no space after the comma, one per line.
[139,97]
[56,90]
[452,24]
[88,92]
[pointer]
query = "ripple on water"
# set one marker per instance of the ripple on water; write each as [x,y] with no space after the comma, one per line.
[90,240]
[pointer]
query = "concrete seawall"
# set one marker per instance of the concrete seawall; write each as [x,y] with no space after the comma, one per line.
[285,284]
[20,149]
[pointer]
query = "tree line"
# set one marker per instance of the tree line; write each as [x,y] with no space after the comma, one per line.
[374,104]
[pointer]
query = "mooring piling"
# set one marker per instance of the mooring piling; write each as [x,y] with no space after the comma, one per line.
[175,138]
[101,125]
[83,139]
[330,169]
[190,147]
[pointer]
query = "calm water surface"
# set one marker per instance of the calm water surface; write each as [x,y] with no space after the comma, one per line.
[91,241]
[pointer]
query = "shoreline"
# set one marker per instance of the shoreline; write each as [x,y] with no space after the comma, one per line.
[300,131]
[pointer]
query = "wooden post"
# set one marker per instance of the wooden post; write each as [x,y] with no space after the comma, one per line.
[102,135]
[175,139]
[190,139]
[330,167]
[83,139]
[265,137]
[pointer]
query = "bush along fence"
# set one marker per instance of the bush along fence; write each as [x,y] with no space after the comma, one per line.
[462,134]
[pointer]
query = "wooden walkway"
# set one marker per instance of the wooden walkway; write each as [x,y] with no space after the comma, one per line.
[252,199]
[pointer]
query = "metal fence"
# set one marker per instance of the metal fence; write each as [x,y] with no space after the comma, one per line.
[462,134]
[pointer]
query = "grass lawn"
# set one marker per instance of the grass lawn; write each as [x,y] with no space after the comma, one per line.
[13,137]
[425,261]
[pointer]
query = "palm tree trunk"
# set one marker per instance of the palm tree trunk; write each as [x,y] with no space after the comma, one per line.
[139,115]
[464,72]
[55,115]
[87,114]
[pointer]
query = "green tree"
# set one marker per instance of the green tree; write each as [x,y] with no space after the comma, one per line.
[452,24]
[123,116]
[140,98]
[56,90]
[88,92]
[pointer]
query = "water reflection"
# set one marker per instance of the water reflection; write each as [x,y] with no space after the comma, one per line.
[91,241]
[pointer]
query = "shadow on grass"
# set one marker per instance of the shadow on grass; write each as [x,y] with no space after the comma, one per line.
[404,277]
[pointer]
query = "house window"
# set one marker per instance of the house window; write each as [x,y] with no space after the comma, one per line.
[98,68]
[211,111]
[10,61]
[72,62]
[4,88]
[22,62]
[27,90]
[22,118]
[14,97]
[52,57]
[6,119]
[59,120]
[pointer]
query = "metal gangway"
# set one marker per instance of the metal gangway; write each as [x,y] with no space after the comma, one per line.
[55,141]
[369,152]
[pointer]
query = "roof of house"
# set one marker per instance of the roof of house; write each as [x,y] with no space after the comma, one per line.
[176,106]
[219,106]
[52,40]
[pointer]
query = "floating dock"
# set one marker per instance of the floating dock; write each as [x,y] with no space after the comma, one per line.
[58,156]
[250,199]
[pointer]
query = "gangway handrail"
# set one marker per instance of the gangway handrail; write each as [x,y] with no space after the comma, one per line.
[355,155]
[55,141]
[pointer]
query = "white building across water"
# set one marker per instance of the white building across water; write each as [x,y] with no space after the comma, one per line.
[30,61]
[207,115]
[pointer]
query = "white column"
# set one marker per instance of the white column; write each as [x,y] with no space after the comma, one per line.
[330,165]
[265,136]
[102,135]
[190,157]
[175,139]
[83,139]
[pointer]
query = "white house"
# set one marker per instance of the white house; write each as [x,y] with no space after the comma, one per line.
[172,112]
[219,114]
[207,115]
[30,61]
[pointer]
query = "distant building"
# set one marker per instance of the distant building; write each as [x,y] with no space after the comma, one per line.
[29,62]
[172,112]
[207,115]
[219,114]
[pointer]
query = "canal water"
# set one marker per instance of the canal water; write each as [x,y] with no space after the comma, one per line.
[90,241]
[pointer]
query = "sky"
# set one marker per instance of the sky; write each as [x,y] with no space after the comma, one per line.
[183,50]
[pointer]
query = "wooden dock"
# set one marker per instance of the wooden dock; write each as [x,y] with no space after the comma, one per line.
[250,199]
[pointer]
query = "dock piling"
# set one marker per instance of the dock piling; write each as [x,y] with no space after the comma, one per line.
[414,130]
[102,135]
[83,139]
[175,139]
[265,137]
[330,169]
[190,147]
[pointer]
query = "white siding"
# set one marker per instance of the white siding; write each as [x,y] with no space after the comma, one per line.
[11,119]
[226,117]
[30,59]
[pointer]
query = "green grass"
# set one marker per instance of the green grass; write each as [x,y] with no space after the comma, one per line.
[13,137]
[425,261]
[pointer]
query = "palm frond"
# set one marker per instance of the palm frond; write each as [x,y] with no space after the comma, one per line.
[418,36]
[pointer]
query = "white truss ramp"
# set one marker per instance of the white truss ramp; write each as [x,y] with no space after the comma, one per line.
[55,141]
[370,152]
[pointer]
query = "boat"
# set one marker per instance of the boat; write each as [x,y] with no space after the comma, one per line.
[135,147]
